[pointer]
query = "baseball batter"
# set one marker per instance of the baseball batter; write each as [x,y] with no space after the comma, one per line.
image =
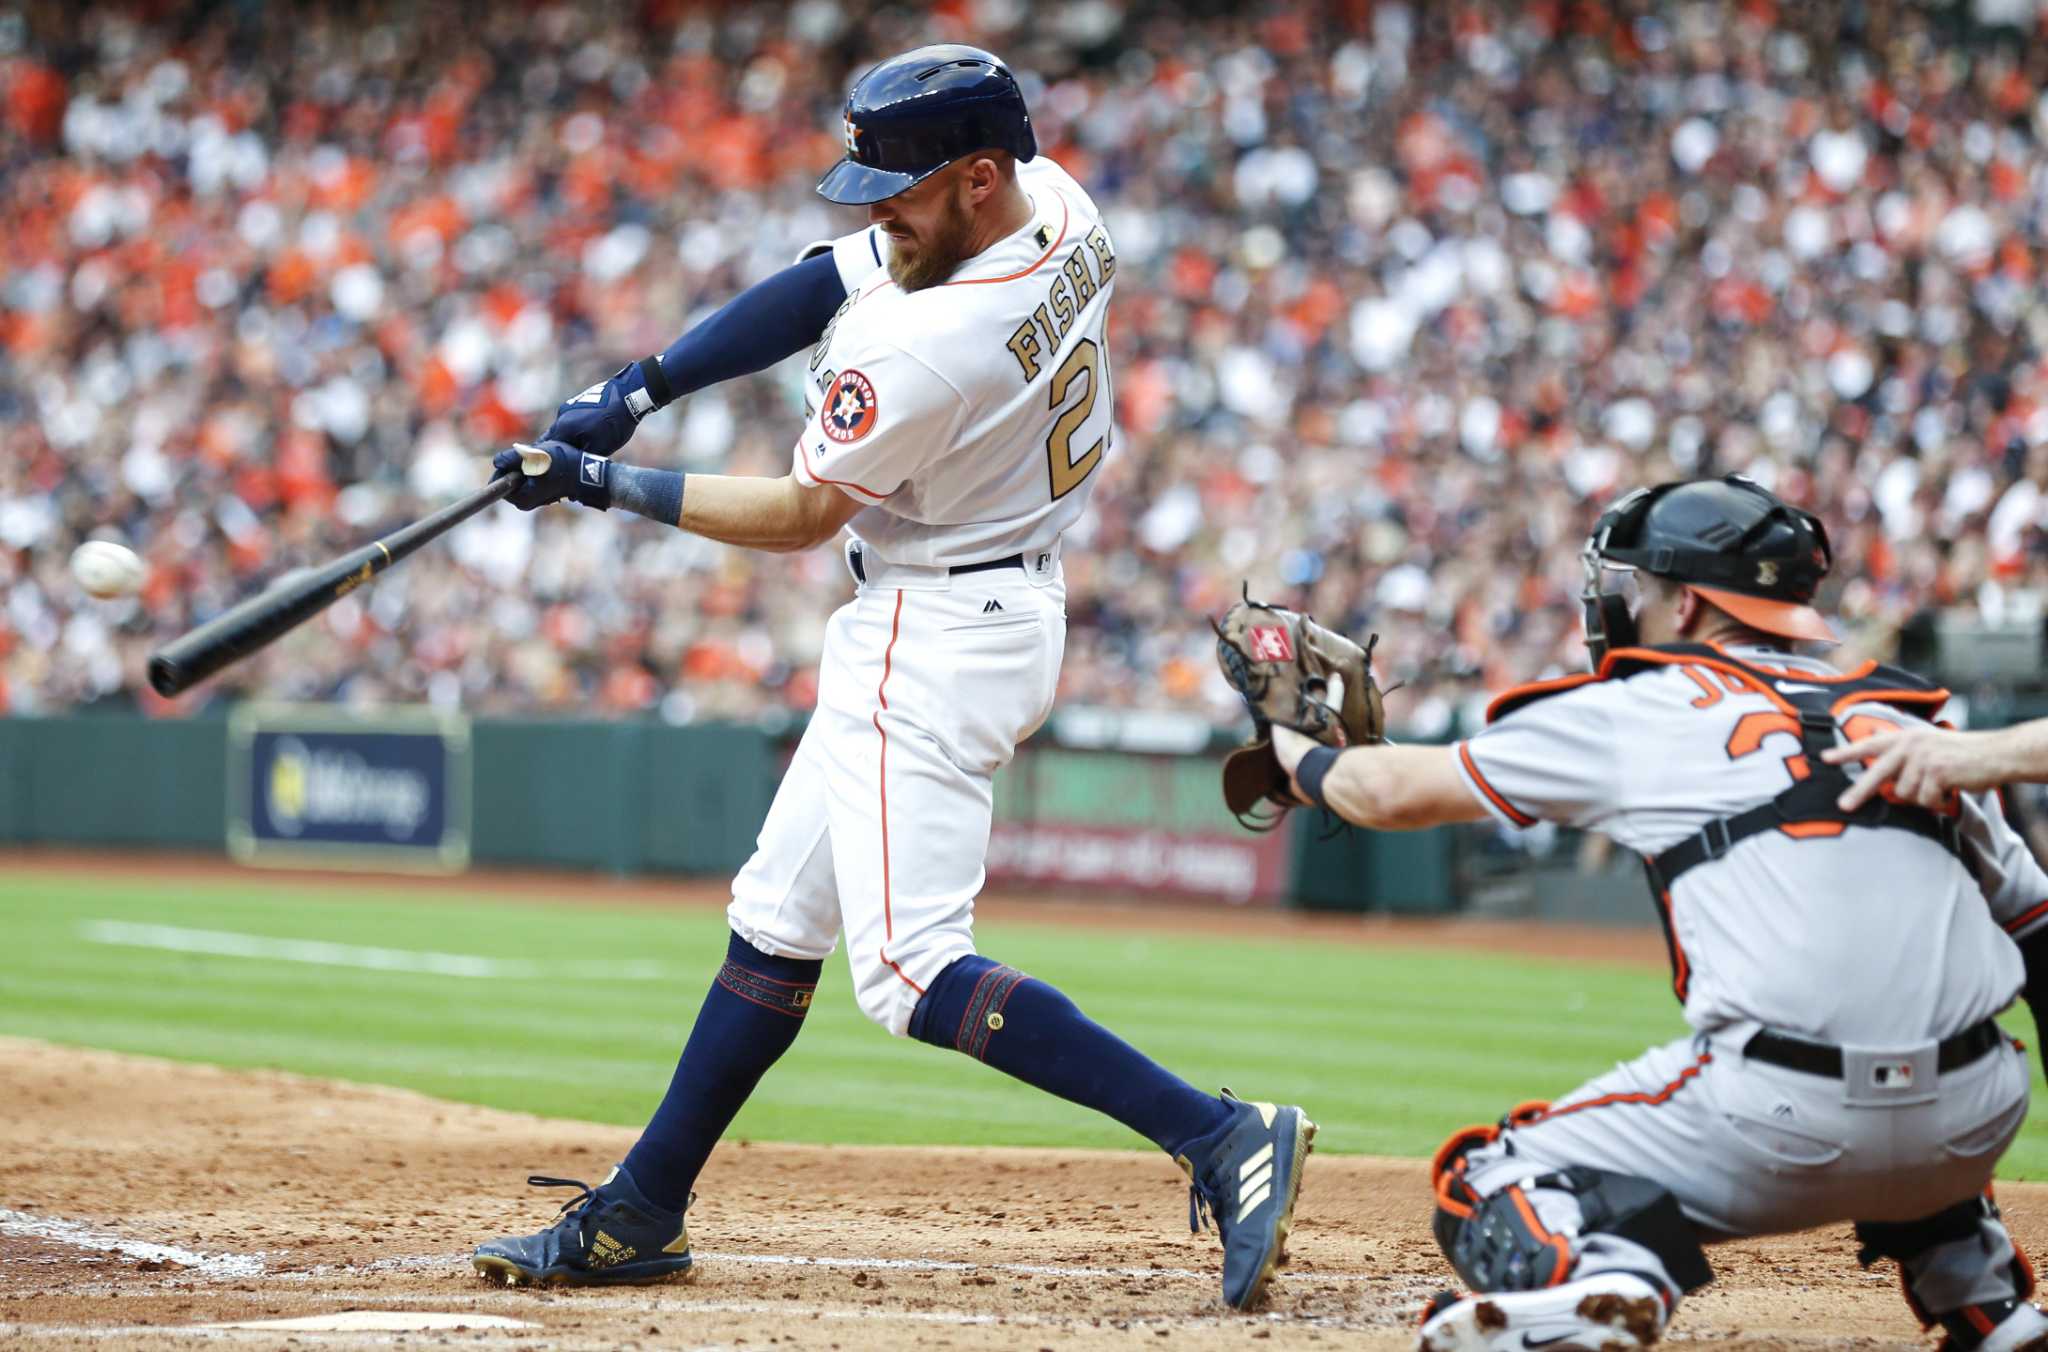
[959,410]
[1840,969]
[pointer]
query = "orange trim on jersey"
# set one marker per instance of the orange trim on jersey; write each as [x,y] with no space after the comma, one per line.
[2015,926]
[1681,966]
[882,698]
[1726,666]
[1933,699]
[1651,1100]
[1555,1242]
[1513,813]
[1531,689]
[1066,214]
[840,483]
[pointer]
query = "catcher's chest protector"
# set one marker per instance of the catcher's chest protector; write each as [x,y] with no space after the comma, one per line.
[1811,705]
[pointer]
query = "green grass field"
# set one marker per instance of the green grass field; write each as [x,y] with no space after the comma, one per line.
[1389,1049]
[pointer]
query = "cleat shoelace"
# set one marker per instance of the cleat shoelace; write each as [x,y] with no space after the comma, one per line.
[573,1209]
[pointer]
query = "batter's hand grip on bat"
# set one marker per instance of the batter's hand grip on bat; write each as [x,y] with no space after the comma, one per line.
[295,598]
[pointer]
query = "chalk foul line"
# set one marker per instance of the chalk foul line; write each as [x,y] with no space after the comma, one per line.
[319,952]
[253,1264]
[85,1237]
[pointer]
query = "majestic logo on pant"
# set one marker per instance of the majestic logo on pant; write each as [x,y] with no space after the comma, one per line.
[1255,1182]
[991,607]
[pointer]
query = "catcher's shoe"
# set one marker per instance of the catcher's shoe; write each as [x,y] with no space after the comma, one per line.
[2009,1326]
[1606,1312]
[1246,1176]
[607,1235]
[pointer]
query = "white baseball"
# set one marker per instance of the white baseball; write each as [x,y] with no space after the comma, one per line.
[106,569]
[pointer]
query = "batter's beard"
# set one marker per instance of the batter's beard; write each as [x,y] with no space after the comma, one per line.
[936,257]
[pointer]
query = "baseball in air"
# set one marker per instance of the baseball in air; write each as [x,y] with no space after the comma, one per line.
[106,569]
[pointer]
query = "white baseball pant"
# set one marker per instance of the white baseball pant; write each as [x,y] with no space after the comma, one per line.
[880,828]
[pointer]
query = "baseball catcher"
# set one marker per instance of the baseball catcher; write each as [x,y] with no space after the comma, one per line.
[1840,968]
[1293,673]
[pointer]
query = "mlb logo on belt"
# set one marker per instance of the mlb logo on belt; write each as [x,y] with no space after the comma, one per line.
[1892,1075]
[1270,644]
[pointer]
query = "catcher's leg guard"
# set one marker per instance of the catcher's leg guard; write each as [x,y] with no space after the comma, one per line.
[1958,1268]
[1546,1228]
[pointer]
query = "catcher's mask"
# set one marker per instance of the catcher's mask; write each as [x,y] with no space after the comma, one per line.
[1729,539]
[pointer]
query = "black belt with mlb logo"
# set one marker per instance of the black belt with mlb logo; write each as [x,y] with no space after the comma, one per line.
[1821,1058]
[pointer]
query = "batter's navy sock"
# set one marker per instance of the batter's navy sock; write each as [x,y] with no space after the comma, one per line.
[754,1011]
[1026,1028]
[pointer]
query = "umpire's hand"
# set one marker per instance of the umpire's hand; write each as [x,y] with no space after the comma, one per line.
[1921,765]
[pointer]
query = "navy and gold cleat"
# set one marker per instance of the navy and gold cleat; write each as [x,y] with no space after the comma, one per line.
[607,1235]
[1246,1177]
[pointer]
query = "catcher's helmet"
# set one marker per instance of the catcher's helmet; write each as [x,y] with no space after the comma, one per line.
[916,113]
[1729,539]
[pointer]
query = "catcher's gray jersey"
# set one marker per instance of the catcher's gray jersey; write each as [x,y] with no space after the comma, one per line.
[1873,948]
[1865,936]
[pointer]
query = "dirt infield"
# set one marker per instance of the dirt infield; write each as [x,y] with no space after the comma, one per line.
[140,1199]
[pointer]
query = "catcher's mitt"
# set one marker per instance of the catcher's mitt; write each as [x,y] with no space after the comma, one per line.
[1292,671]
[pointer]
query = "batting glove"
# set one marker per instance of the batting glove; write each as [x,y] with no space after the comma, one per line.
[602,418]
[575,475]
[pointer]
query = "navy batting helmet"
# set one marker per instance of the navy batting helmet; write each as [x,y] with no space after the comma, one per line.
[1738,545]
[916,113]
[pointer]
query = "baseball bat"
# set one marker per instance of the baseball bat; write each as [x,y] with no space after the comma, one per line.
[243,628]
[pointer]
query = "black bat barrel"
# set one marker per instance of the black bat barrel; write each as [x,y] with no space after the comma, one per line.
[292,600]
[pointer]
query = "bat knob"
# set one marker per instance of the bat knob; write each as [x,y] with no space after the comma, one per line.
[533,461]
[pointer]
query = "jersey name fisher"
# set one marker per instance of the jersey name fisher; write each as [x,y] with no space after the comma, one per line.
[970,417]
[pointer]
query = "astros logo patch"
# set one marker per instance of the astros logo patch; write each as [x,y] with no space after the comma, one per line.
[1269,644]
[849,412]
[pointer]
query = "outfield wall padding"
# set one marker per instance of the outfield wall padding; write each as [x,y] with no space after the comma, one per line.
[622,798]
[615,797]
[114,779]
[619,797]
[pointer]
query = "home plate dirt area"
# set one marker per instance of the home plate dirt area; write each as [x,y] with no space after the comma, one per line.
[145,1204]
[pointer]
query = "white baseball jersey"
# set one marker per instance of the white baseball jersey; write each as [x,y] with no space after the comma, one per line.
[971,415]
[1868,936]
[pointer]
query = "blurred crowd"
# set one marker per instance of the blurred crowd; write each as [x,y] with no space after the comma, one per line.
[1407,291]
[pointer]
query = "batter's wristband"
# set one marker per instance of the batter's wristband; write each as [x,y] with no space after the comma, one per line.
[1310,772]
[656,380]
